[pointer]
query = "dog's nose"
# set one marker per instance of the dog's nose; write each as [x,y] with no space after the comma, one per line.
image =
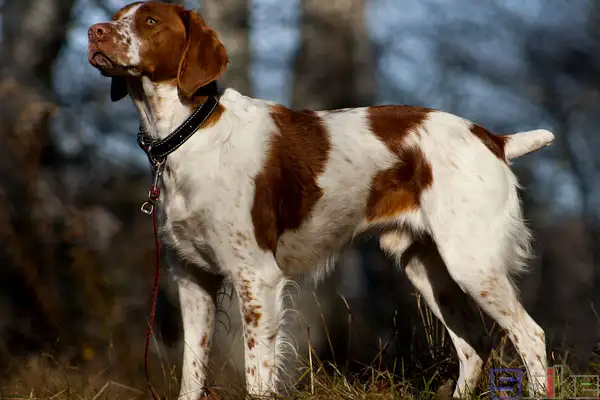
[98,31]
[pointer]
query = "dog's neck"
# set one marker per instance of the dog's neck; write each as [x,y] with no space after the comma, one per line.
[160,106]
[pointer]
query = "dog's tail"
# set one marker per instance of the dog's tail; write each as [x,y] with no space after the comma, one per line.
[522,143]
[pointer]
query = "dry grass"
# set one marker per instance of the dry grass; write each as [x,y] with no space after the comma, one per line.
[45,377]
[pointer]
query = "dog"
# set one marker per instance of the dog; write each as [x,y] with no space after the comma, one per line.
[259,193]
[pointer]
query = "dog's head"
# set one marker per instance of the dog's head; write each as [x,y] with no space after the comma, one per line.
[159,40]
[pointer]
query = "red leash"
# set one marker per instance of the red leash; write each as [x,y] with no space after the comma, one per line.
[153,196]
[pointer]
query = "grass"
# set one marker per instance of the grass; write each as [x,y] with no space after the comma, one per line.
[48,377]
[45,378]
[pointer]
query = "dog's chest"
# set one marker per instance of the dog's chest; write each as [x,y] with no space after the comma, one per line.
[202,211]
[188,240]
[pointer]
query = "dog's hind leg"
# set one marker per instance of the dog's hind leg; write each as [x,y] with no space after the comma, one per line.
[479,232]
[427,272]
[490,286]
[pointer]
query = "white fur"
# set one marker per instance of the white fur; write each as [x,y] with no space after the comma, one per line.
[198,314]
[523,143]
[471,212]
[126,27]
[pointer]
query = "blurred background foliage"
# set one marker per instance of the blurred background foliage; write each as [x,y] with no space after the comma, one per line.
[77,255]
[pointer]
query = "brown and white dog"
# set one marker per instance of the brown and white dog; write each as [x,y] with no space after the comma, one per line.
[262,193]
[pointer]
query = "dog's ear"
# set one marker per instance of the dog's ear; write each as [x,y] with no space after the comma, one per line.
[204,58]
[118,88]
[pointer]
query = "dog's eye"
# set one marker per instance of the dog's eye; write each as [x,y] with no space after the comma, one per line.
[150,21]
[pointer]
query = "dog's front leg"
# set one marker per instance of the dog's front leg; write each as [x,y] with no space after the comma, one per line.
[197,296]
[259,287]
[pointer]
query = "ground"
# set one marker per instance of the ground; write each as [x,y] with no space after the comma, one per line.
[45,377]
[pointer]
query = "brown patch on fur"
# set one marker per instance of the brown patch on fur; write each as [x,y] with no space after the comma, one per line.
[392,123]
[266,364]
[515,339]
[484,293]
[214,117]
[493,142]
[398,189]
[204,341]
[205,58]
[251,343]
[286,188]
[249,311]
[251,314]
[245,293]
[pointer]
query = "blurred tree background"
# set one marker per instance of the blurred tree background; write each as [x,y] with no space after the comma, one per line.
[77,259]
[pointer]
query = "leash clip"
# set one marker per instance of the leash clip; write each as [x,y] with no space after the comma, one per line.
[148,207]
[154,191]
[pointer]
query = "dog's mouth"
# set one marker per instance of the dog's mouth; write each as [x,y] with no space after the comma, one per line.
[108,66]
[102,62]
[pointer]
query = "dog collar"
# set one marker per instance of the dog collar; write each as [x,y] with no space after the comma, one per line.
[157,150]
